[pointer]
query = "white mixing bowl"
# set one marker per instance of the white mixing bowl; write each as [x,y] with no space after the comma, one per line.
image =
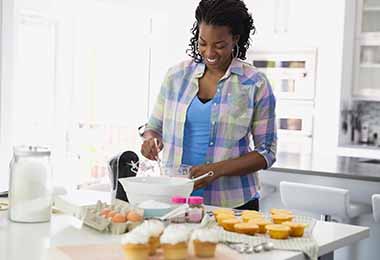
[160,188]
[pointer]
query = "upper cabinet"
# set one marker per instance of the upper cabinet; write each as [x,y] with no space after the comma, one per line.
[284,22]
[369,13]
[367,51]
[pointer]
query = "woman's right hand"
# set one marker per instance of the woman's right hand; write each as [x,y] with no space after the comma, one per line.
[151,147]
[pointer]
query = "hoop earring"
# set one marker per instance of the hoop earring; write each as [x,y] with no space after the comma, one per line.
[236,54]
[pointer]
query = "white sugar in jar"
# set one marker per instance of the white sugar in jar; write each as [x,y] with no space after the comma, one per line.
[30,189]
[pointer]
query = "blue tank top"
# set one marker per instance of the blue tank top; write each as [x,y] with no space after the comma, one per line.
[196,135]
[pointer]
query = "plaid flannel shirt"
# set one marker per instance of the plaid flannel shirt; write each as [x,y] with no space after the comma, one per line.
[242,120]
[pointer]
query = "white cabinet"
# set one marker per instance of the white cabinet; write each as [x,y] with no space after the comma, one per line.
[285,22]
[292,77]
[367,51]
[290,72]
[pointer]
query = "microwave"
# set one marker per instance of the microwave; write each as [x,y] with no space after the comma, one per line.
[291,73]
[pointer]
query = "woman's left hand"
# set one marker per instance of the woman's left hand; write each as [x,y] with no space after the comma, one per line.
[199,170]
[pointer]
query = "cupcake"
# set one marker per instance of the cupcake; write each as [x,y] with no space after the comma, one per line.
[246,228]
[261,223]
[250,212]
[248,218]
[223,216]
[174,242]
[218,211]
[278,231]
[281,218]
[228,224]
[154,229]
[135,245]
[296,229]
[204,242]
[280,211]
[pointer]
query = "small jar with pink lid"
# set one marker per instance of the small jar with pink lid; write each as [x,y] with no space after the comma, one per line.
[196,209]
[178,201]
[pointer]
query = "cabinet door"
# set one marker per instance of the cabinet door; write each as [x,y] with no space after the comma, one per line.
[285,22]
[369,17]
[291,73]
[367,52]
[295,126]
[367,71]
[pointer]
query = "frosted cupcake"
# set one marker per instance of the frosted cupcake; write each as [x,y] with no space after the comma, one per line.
[135,245]
[154,228]
[205,241]
[174,242]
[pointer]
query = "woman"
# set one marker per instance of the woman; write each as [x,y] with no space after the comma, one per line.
[212,107]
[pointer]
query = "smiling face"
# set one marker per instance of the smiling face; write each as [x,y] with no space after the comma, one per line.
[215,45]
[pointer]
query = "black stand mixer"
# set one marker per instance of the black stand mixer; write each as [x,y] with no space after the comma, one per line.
[123,165]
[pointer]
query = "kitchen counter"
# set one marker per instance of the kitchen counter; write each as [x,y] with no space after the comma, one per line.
[38,241]
[328,166]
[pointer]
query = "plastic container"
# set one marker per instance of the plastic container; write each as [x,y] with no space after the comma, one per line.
[178,201]
[196,209]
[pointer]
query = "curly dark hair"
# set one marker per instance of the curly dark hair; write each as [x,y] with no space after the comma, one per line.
[231,13]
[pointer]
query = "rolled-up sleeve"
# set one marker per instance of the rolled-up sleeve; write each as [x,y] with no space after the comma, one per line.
[264,128]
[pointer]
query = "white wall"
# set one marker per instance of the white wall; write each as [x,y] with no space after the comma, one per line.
[168,38]
[7,48]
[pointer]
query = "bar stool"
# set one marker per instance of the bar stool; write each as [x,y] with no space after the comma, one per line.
[376,207]
[327,201]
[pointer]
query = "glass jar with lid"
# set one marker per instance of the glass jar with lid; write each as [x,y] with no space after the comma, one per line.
[30,187]
[196,209]
[178,201]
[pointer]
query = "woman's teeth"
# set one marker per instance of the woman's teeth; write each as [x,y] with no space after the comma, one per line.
[211,60]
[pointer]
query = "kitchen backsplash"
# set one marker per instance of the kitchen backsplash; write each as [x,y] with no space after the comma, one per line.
[370,115]
[361,124]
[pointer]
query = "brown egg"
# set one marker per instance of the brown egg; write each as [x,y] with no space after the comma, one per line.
[134,217]
[111,214]
[119,218]
[104,212]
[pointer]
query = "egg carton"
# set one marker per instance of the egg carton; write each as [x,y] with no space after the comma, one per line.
[95,220]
